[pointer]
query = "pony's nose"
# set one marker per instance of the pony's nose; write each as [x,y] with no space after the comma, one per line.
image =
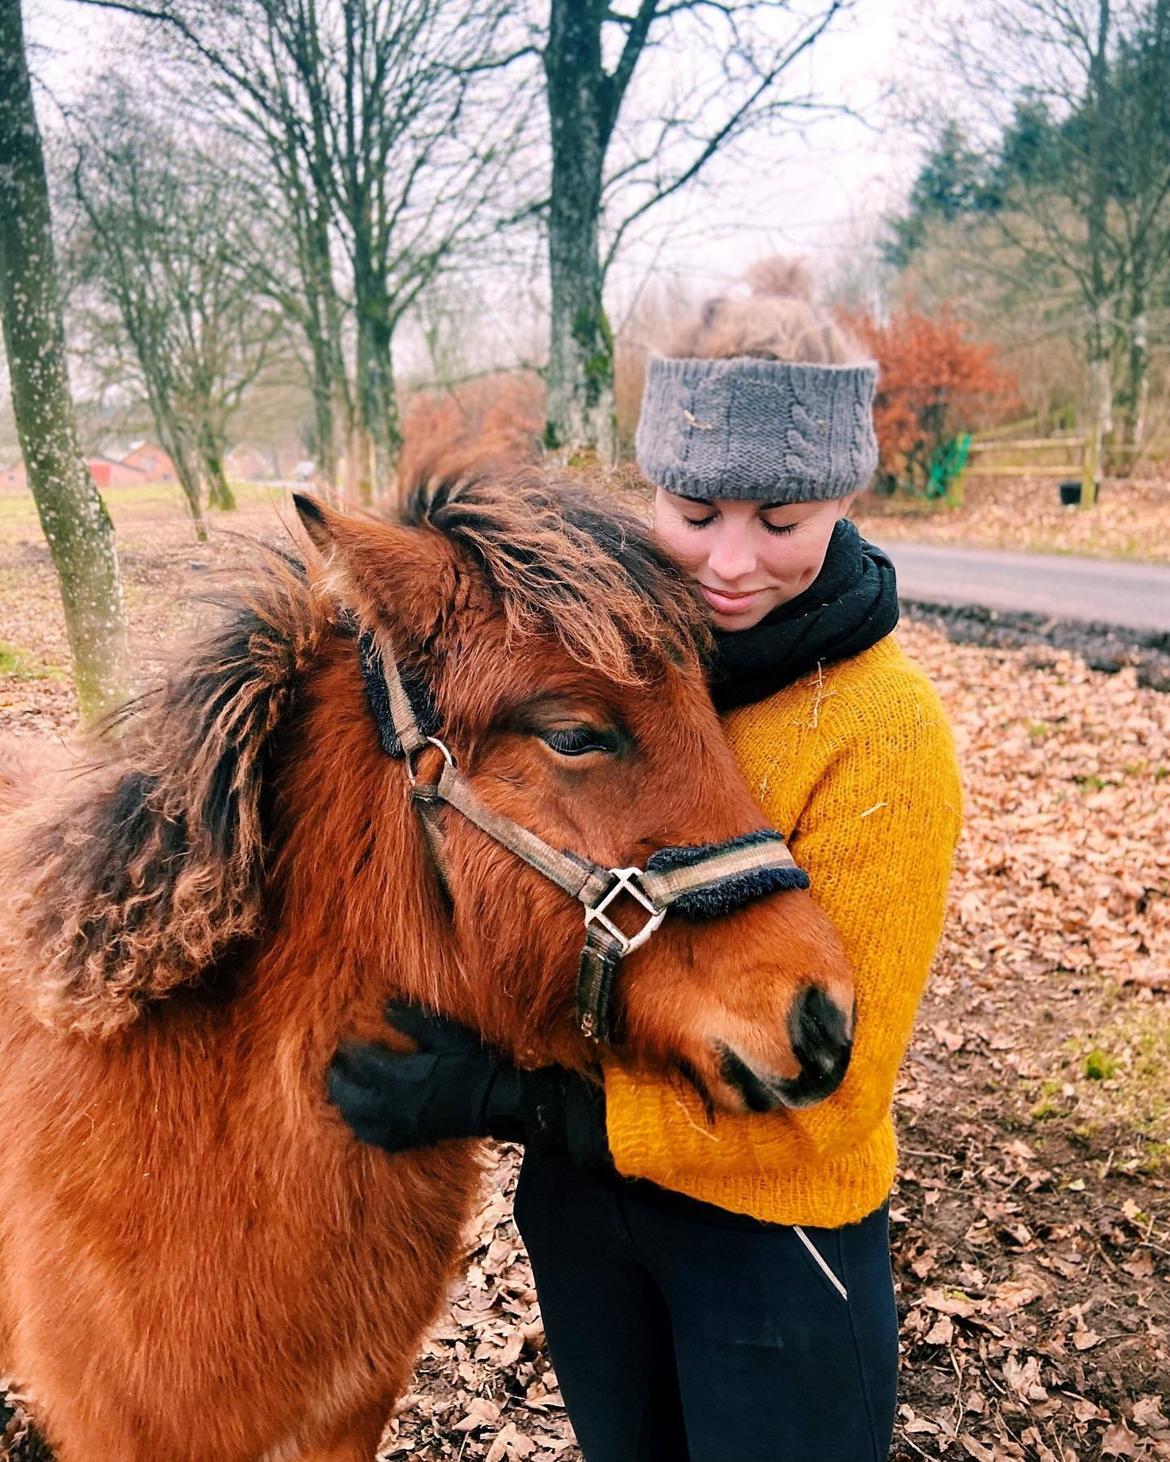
[821,1033]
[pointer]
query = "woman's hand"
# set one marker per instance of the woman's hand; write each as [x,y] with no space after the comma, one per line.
[453,1087]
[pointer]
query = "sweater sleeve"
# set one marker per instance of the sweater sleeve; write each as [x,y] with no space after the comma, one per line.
[876,835]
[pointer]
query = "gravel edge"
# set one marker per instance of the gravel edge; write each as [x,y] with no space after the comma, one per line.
[1106,647]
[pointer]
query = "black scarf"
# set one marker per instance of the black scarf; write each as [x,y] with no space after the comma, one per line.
[850,605]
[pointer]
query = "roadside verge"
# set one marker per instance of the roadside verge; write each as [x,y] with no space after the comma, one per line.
[1107,647]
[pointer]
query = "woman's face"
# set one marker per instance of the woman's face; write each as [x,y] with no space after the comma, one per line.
[747,557]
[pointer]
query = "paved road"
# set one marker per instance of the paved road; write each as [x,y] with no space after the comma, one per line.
[1134,595]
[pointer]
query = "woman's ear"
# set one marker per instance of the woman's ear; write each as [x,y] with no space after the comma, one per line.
[844,504]
[401,576]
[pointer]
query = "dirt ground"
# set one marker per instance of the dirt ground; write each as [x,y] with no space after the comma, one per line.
[1130,520]
[1032,1215]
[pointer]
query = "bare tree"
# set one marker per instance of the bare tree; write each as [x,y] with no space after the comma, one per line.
[74,518]
[1072,94]
[600,191]
[1139,170]
[165,259]
[361,115]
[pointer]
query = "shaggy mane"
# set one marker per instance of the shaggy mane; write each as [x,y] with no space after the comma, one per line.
[153,866]
[565,558]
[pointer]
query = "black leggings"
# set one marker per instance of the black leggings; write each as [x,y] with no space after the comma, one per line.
[683,1333]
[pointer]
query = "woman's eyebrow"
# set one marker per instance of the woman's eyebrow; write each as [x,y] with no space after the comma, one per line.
[702,502]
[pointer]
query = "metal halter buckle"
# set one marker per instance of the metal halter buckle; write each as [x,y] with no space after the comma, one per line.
[626,880]
[431,741]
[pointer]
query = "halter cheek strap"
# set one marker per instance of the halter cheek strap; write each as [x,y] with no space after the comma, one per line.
[694,882]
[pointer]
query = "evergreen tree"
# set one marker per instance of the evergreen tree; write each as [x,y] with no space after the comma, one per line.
[953,180]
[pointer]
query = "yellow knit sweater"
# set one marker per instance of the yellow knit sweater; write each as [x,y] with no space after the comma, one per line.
[856,767]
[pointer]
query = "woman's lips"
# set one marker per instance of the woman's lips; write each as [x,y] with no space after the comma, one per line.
[725,603]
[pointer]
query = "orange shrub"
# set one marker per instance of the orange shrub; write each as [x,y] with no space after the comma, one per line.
[500,417]
[934,384]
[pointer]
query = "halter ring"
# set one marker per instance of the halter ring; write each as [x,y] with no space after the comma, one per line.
[626,880]
[431,741]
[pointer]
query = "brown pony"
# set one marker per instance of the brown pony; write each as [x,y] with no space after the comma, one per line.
[196,1257]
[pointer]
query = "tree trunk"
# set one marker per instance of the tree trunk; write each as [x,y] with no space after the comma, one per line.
[324,429]
[1135,392]
[359,462]
[580,362]
[1098,336]
[1100,367]
[377,411]
[219,489]
[76,524]
[175,440]
[191,481]
[211,454]
[323,329]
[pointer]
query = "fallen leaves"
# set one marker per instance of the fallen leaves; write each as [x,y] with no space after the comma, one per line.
[1024,513]
[484,1387]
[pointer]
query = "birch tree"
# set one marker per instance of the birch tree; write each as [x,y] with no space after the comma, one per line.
[76,524]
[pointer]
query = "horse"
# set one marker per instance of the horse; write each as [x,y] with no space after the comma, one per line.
[196,1256]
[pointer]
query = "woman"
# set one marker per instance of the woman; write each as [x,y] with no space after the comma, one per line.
[721,1291]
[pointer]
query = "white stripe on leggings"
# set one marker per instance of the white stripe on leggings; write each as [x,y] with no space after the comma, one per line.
[816,1253]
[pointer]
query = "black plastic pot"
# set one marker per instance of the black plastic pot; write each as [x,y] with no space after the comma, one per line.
[1070,494]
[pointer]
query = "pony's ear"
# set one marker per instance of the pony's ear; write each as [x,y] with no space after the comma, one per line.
[405,576]
[147,875]
[314,518]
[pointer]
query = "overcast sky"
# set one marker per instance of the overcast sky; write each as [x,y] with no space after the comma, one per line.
[823,192]
[820,193]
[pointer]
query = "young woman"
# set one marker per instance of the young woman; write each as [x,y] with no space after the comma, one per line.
[721,1292]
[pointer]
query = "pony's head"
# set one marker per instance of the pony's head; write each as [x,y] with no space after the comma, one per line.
[557,650]
[250,818]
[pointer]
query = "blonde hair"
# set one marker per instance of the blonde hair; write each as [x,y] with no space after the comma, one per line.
[776,321]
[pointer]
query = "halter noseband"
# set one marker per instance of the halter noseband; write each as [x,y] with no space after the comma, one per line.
[697,882]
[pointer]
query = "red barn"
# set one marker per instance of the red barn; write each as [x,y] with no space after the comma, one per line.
[151,461]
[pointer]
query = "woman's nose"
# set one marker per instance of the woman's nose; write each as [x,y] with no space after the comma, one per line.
[732,556]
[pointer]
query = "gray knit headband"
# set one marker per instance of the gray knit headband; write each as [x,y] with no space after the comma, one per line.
[766,429]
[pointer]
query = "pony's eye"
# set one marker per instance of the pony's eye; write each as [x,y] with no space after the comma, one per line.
[578,740]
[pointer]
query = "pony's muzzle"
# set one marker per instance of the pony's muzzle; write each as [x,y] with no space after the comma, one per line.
[822,1041]
[821,1035]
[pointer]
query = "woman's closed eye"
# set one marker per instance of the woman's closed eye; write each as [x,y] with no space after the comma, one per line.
[580,740]
[777,530]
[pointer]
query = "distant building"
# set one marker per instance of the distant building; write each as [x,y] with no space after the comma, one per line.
[108,473]
[247,464]
[152,461]
[105,471]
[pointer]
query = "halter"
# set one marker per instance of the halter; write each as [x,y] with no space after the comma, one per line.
[696,882]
